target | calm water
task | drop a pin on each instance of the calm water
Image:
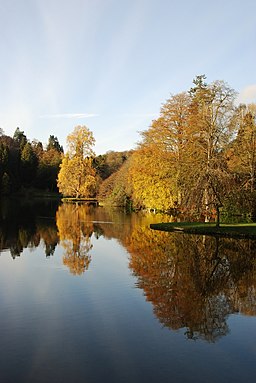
(94, 295)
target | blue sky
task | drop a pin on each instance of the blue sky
(110, 64)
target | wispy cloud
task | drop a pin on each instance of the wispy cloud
(248, 94)
(141, 115)
(68, 115)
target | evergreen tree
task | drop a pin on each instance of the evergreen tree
(53, 143)
(20, 138)
(29, 164)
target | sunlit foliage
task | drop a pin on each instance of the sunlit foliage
(115, 189)
(199, 155)
(151, 180)
(28, 165)
(181, 161)
(77, 177)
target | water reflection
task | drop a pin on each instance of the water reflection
(26, 224)
(193, 282)
(75, 232)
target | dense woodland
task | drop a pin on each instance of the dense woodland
(198, 156)
(25, 164)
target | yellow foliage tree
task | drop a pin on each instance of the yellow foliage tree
(211, 128)
(77, 177)
(150, 179)
(156, 166)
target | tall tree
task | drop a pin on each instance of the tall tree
(80, 142)
(165, 144)
(211, 128)
(20, 138)
(53, 143)
(77, 177)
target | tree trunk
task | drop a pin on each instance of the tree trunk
(206, 203)
(217, 216)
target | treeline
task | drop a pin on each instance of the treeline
(198, 156)
(25, 164)
(28, 165)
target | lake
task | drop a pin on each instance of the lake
(89, 294)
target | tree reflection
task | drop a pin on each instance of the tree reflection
(194, 282)
(47, 233)
(75, 231)
(26, 225)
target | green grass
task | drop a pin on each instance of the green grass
(244, 230)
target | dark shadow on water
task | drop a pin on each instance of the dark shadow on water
(24, 223)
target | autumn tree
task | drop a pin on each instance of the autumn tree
(157, 167)
(77, 175)
(180, 161)
(114, 190)
(37, 147)
(211, 128)
(150, 179)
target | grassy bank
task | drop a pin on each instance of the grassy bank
(74, 199)
(246, 230)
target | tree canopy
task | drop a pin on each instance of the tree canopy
(77, 177)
